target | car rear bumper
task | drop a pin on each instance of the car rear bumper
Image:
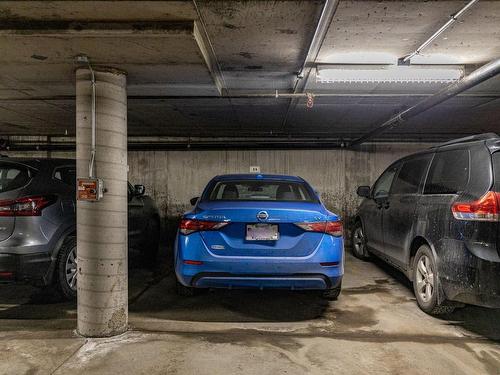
(213, 271)
(468, 278)
(20, 268)
(293, 282)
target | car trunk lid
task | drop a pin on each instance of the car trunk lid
(233, 240)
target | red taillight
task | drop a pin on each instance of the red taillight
(27, 206)
(485, 208)
(188, 226)
(193, 262)
(333, 228)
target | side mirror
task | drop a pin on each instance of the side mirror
(139, 189)
(194, 200)
(363, 191)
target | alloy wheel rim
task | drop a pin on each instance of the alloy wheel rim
(359, 241)
(425, 278)
(71, 263)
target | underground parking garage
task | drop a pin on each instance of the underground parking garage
(212, 187)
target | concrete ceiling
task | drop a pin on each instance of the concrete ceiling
(258, 46)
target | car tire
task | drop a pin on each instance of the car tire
(66, 269)
(150, 249)
(358, 242)
(426, 283)
(184, 291)
(332, 294)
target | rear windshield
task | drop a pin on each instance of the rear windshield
(251, 190)
(13, 176)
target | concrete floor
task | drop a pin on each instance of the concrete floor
(375, 327)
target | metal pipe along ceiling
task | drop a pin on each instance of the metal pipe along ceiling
(476, 77)
(451, 21)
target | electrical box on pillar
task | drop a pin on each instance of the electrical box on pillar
(90, 189)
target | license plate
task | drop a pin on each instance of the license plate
(262, 232)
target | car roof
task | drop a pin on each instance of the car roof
(258, 176)
(484, 138)
(491, 140)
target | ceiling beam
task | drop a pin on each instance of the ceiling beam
(207, 50)
(29, 28)
(324, 22)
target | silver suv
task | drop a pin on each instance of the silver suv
(38, 223)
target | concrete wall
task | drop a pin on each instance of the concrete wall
(173, 177)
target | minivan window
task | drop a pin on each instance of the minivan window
(254, 190)
(496, 171)
(410, 176)
(449, 173)
(383, 184)
(13, 176)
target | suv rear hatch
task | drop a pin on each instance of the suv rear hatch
(13, 177)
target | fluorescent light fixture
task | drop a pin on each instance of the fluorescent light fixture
(388, 73)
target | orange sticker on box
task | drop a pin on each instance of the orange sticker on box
(87, 189)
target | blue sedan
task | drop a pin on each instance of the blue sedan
(259, 231)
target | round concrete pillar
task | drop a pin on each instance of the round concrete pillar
(102, 279)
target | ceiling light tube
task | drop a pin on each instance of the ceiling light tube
(388, 73)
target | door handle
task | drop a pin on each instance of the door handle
(384, 204)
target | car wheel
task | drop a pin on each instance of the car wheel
(66, 269)
(150, 249)
(332, 294)
(426, 283)
(184, 291)
(358, 245)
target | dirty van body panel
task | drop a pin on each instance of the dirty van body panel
(400, 214)
(372, 209)
(466, 248)
(398, 222)
(373, 216)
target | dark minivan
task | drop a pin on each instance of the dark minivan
(435, 215)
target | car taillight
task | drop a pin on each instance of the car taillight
(333, 228)
(188, 226)
(27, 206)
(486, 208)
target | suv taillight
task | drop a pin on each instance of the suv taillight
(188, 226)
(334, 228)
(27, 206)
(486, 208)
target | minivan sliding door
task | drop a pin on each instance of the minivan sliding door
(400, 211)
(374, 208)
